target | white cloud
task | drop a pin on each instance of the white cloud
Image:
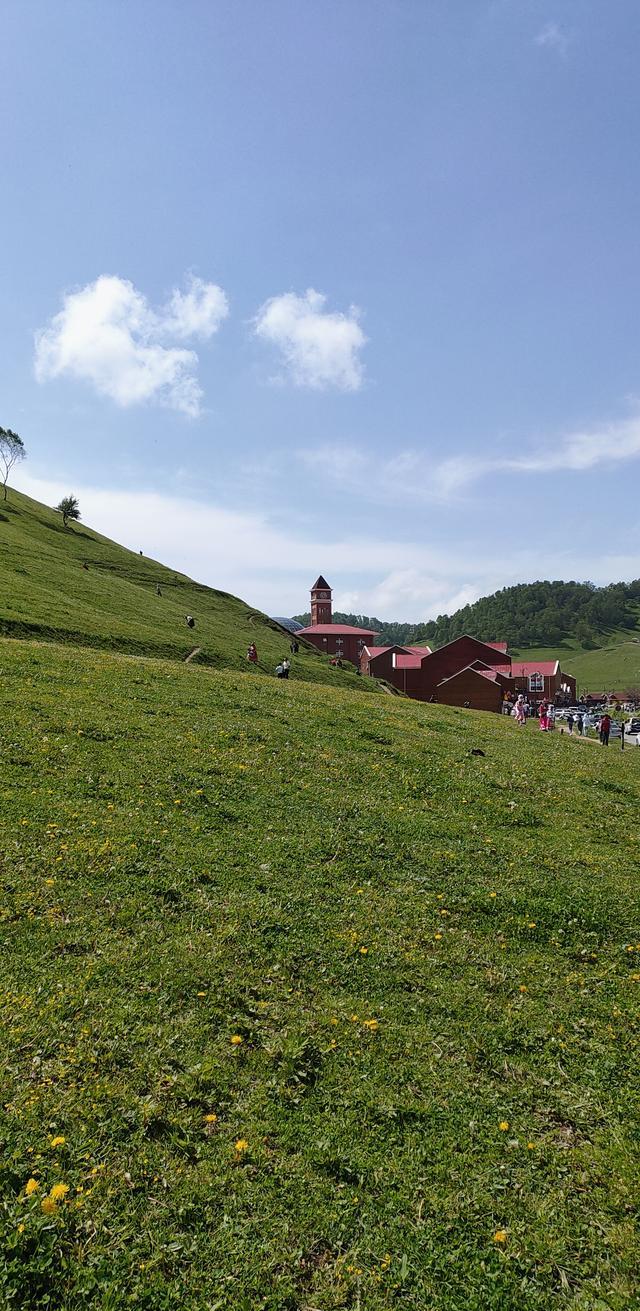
(106, 334)
(198, 312)
(553, 37)
(319, 349)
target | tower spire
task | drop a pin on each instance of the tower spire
(321, 612)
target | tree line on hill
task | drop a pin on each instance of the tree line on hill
(529, 614)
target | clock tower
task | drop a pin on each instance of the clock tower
(321, 602)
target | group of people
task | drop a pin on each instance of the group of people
(581, 721)
(282, 668)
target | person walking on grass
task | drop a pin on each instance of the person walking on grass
(570, 722)
(252, 654)
(580, 725)
(286, 666)
(519, 713)
(542, 716)
(551, 716)
(605, 729)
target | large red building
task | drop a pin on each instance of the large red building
(467, 672)
(340, 640)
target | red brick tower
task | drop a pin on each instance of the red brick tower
(321, 602)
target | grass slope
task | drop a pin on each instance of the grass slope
(614, 667)
(45, 593)
(304, 1005)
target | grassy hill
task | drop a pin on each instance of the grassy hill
(306, 1007)
(46, 593)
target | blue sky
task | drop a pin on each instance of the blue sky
(351, 287)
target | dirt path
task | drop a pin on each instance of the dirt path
(196, 651)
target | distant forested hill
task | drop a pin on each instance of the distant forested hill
(528, 615)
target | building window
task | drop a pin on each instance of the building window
(536, 683)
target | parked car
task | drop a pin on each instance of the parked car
(632, 726)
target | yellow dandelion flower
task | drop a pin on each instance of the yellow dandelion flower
(504, 1125)
(363, 951)
(201, 994)
(530, 1147)
(241, 1146)
(58, 1192)
(48, 1206)
(437, 937)
(523, 987)
(20, 1229)
(236, 1039)
(31, 1186)
(372, 1025)
(211, 1118)
(500, 1236)
(493, 894)
(59, 1141)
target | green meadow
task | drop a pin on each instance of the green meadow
(305, 1006)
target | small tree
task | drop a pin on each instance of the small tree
(11, 452)
(68, 508)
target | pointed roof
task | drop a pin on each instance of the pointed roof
(321, 583)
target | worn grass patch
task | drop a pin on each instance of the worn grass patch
(305, 1006)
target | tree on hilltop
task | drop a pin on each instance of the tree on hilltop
(69, 509)
(11, 452)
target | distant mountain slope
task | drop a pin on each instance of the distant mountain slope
(47, 593)
(544, 614)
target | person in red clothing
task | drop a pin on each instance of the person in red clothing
(252, 654)
(605, 729)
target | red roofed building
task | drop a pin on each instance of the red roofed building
(400, 665)
(543, 678)
(479, 689)
(343, 641)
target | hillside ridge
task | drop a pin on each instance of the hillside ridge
(75, 586)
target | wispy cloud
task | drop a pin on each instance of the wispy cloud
(107, 335)
(413, 476)
(318, 348)
(609, 444)
(553, 37)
